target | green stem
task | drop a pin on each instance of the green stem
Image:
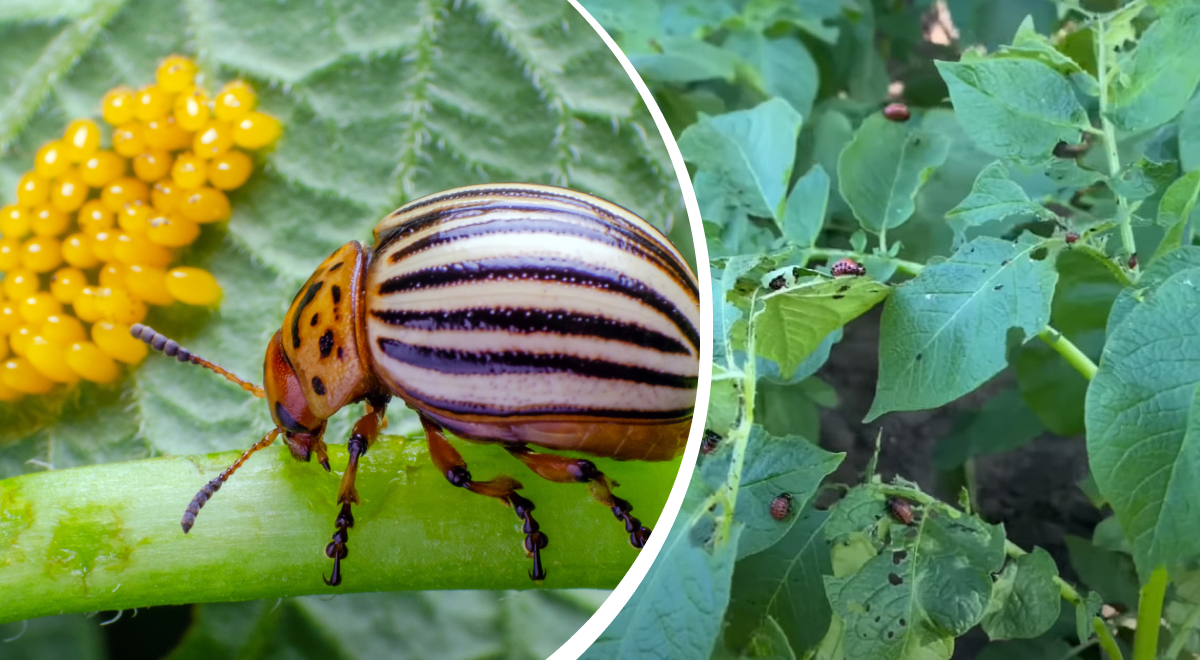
(1068, 592)
(1107, 643)
(1180, 636)
(1069, 351)
(1125, 218)
(107, 537)
(1149, 621)
(741, 435)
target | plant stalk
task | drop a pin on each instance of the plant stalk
(1107, 643)
(1125, 218)
(1179, 637)
(1069, 351)
(108, 537)
(1149, 620)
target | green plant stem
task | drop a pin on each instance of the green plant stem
(1068, 592)
(1149, 621)
(1069, 351)
(909, 267)
(107, 537)
(1180, 637)
(1107, 643)
(1125, 218)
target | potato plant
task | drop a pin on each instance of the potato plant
(1027, 213)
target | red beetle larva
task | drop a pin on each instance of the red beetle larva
(847, 267)
(897, 112)
(781, 506)
(901, 509)
(529, 316)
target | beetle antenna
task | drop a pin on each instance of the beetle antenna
(211, 488)
(159, 342)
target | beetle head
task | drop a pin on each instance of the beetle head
(290, 410)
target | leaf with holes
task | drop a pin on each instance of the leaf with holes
(910, 602)
(794, 322)
(994, 197)
(946, 332)
(1025, 600)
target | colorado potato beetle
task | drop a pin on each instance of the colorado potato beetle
(522, 315)
(781, 506)
(847, 267)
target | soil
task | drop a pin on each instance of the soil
(1032, 490)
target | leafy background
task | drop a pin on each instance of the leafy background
(963, 210)
(381, 102)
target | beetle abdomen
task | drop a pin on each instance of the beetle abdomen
(532, 303)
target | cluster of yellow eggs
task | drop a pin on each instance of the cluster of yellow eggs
(89, 242)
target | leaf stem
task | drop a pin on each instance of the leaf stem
(1125, 216)
(107, 537)
(1069, 593)
(1107, 643)
(1149, 620)
(1069, 351)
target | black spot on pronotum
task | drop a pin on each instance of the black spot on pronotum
(335, 266)
(337, 294)
(318, 386)
(339, 352)
(895, 580)
(314, 319)
(326, 343)
(308, 297)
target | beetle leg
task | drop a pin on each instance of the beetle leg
(366, 429)
(565, 470)
(504, 488)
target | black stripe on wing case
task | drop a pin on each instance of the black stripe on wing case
(471, 408)
(542, 269)
(450, 361)
(526, 321)
(625, 238)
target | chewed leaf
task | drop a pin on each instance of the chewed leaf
(1143, 422)
(946, 332)
(1156, 83)
(1014, 108)
(993, 197)
(1025, 599)
(794, 322)
(775, 466)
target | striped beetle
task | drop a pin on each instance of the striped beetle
(514, 314)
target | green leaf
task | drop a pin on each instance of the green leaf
(1109, 573)
(780, 67)
(1175, 209)
(64, 636)
(677, 609)
(1026, 649)
(1159, 78)
(794, 322)
(784, 584)
(1029, 44)
(769, 643)
(912, 602)
(774, 466)
(994, 197)
(1085, 611)
(1143, 423)
(1189, 136)
(1159, 270)
(1017, 109)
(459, 624)
(1003, 424)
(880, 171)
(945, 332)
(1144, 178)
(807, 206)
(685, 60)
(1025, 600)
(993, 23)
(750, 153)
